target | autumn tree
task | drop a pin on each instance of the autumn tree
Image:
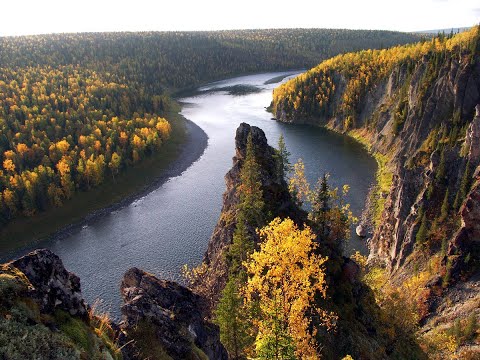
(114, 164)
(298, 184)
(285, 275)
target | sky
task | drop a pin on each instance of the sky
(26, 17)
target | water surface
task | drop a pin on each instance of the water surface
(171, 226)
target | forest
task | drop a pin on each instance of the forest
(312, 94)
(76, 108)
(177, 60)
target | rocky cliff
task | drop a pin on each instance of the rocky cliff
(414, 108)
(43, 316)
(276, 197)
(420, 115)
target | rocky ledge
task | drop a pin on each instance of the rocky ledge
(163, 316)
(50, 284)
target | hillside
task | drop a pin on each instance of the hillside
(77, 111)
(413, 106)
(44, 316)
(178, 60)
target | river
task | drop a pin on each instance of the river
(171, 226)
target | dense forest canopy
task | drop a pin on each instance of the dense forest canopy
(183, 59)
(77, 108)
(313, 94)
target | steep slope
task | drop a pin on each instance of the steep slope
(414, 107)
(214, 272)
(361, 329)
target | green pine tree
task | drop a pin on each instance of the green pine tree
(278, 344)
(445, 208)
(250, 189)
(422, 232)
(321, 206)
(232, 319)
(242, 246)
(440, 176)
(282, 155)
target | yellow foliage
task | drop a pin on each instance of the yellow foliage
(8, 165)
(298, 184)
(285, 274)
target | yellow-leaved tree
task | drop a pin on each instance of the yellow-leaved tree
(285, 275)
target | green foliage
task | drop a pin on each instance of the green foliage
(147, 342)
(76, 330)
(282, 160)
(421, 236)
(321, 208)
(400, 115)
(447, 275)
(464, 330)
(465, 184)
(445, 208)
(250, 192)
(277, 344)
(231, 317)
(440, 170)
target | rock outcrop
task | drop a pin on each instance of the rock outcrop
(43, 314)
(51, 284)
(277, 200)
(164, 316)
(466, 241)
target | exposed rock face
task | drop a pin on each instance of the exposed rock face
(472, 141)
(52, 285)
(174, 313)
(452, 96)
(467, 240)
(457, 85)
(276, 197)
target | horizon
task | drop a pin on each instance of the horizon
(56, 17)
(455, 29)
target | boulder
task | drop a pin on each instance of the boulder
(53, 287)
(173, 314)
(361, 231)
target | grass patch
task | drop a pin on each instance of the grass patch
(147, 342)
(383, 176)
(26, 231)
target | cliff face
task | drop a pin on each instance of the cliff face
(276, 197)
(418, 111)
(404, 115)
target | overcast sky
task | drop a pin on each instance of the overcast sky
(21, 17)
